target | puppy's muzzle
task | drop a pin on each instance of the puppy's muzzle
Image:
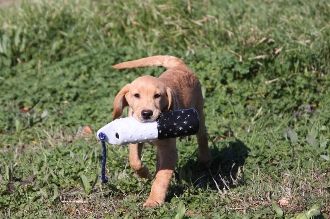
(146, 114)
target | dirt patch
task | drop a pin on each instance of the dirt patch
(4, 3)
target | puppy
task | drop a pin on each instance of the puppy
(147, 97)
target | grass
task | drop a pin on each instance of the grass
(265, 70)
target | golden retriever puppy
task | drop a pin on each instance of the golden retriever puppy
(147, 97)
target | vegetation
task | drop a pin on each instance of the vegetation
(264, 66)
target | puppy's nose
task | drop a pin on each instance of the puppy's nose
(146, 114)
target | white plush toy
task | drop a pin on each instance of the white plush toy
(169, 125)
(129, 130)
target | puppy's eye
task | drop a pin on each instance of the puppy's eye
(137, 95)
(156, 96)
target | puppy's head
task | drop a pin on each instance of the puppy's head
(146, 96)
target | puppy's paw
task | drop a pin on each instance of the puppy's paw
(150, 203)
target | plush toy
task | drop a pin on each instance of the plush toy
(170, 124)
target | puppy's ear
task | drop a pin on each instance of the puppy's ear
(120, 102)
(170, 100)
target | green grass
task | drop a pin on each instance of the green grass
(265, 70)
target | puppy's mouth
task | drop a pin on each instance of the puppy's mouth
(151, 119)
(145, 120)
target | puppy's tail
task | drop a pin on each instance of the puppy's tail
(165, 61)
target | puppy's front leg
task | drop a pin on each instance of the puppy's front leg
(166, 160)
(135, 162)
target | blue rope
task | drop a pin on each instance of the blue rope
(102, 137)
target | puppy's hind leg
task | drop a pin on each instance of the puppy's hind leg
(204, 154)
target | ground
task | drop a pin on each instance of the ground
(264, 67)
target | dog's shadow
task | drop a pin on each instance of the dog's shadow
(225, 171)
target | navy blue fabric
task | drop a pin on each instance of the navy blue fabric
(178, 123)
(104, 178)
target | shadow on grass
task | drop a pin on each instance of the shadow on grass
(225, 171)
